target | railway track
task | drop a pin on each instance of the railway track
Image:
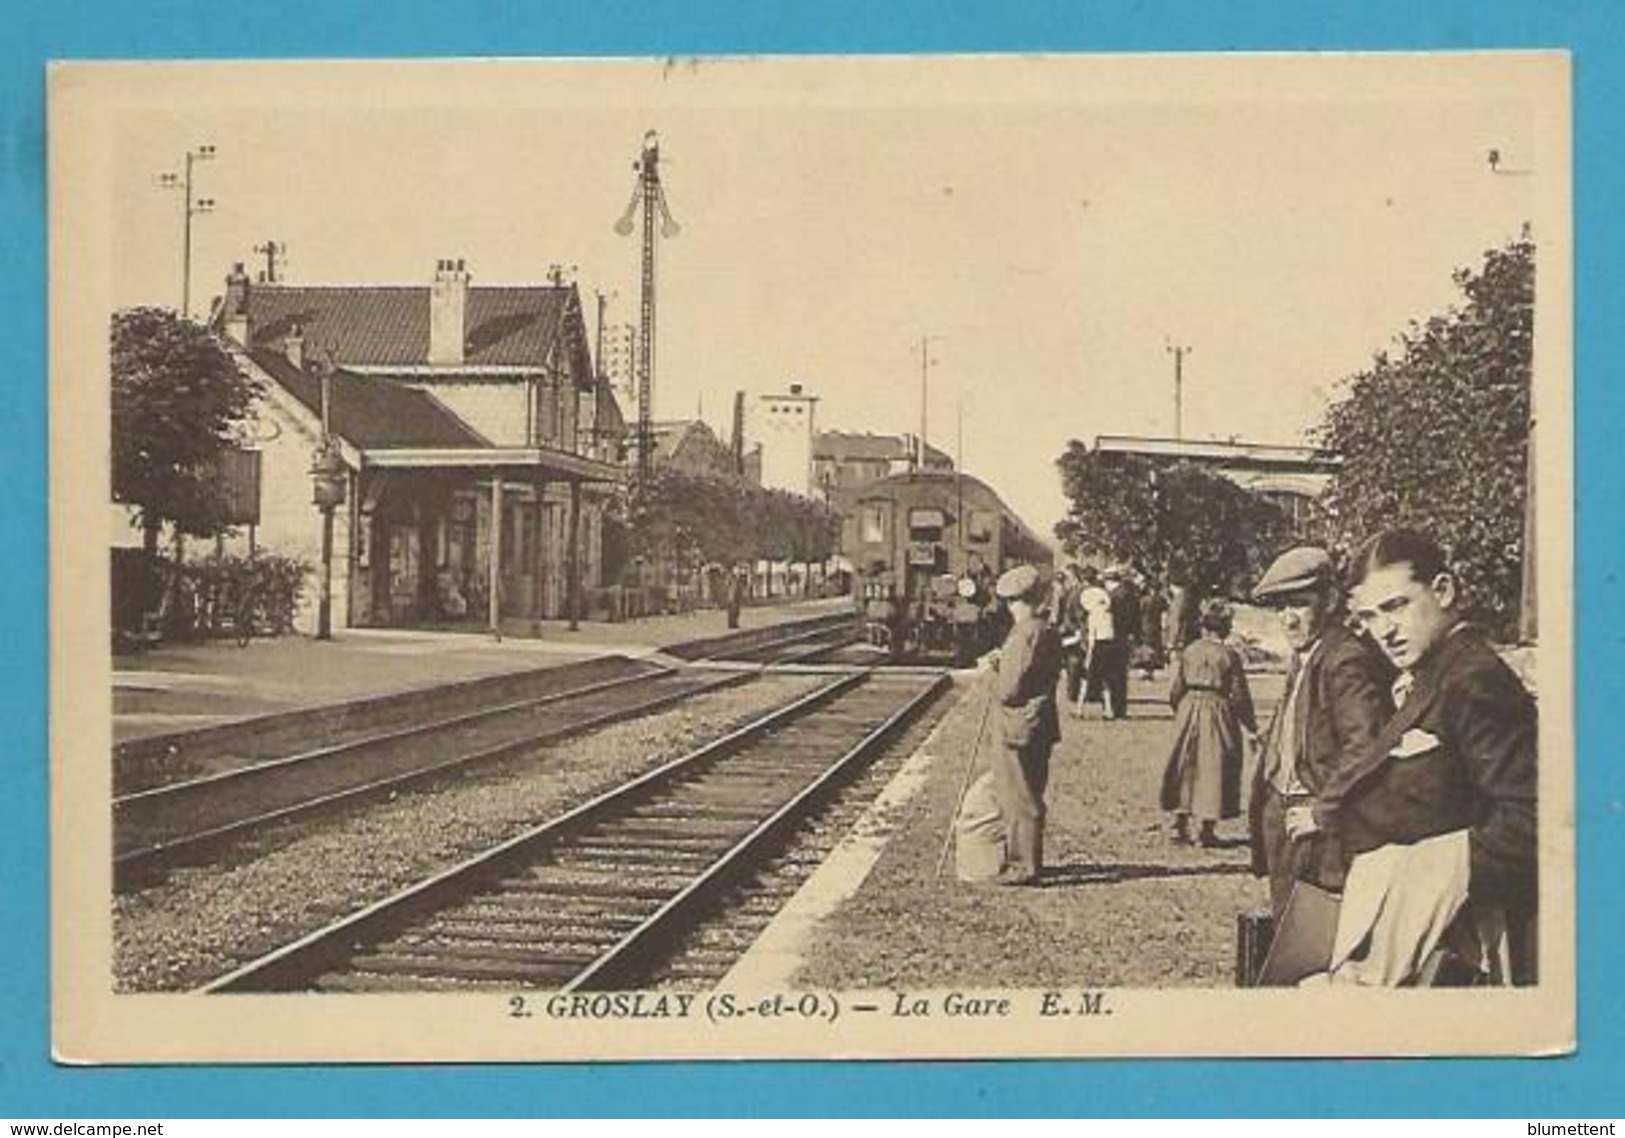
(800, 648)
(162, 826)
(708, 952)
(190, 821)
(160, 760)
(598, 897)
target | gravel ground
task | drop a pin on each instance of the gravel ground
(203, 922)
(1120, 904)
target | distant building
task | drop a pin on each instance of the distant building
(691, 446)
(843, 460)
(784, 427)
(620, 364)
(1293, 477)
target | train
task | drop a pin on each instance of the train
(926, 548)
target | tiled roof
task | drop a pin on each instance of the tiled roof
(386, 325)
(690, 444)
(370, 412)
(845, 446)
(671, 435)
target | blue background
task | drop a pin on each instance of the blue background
(1588, 1084)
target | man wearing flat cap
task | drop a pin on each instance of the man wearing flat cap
(1335, 704)
(1026, 670)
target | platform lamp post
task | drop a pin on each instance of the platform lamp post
(330, 478)
(191, 206)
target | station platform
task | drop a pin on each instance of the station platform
(183, 686)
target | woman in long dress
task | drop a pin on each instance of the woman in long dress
(1212, 708)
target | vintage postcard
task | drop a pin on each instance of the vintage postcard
(848, 557)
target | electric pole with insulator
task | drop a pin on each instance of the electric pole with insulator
(1179, 352)
(191, 206)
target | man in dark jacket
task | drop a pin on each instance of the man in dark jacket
(1439, 815)
(1027, 667)
(1335, 703)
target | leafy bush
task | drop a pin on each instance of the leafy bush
(204, 598)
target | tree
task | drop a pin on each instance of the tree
(1176, 518)
(682, 519)
(179, 400)
(1435, 434)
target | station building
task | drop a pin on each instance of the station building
(479, 446)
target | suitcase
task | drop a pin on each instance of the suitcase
(1254, 931)
(1303, 944)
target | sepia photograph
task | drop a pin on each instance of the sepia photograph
(812, 557)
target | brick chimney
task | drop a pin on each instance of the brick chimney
(448, 313)
(293, 345)
(234, 309)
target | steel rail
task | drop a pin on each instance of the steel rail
(250, 771)
(298, 963)
(825, 632)
(133, 866)
(631, 957)
(741, 643)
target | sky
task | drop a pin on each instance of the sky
(1054, 226)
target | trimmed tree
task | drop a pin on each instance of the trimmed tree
(684, 519)
(179, 400)
(1435, 435)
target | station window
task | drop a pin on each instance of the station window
(926, 525)
(872, 524)
(238, 473)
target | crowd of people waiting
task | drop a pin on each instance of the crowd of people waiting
(1397, 776)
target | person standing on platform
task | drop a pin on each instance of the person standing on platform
(1212, 708)
(1067, 618)
(1334, 706)
(1100, 641)
(735, 585)
(1151, 653)
(967, 616)
(1440, 813)
(1181, 614)
(1125, 599)
(1026, 669)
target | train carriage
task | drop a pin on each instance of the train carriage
(927, 547)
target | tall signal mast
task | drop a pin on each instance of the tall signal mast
(649, 194)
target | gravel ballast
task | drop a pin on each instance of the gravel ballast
(202, 922)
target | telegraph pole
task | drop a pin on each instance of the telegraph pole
(959, 482)
(1179, 352)
(191, 206)
(925, 372)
